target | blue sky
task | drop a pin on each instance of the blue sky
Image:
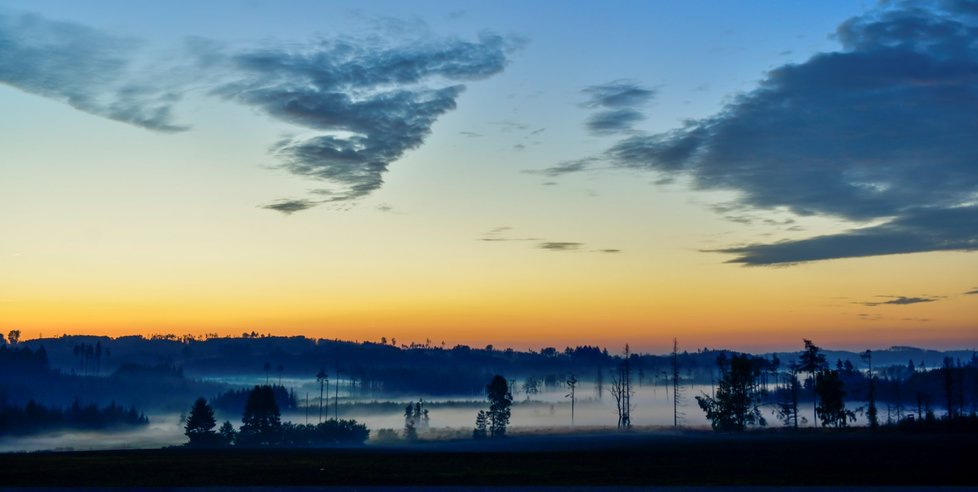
(535, 164)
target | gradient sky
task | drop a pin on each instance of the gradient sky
(732, 174)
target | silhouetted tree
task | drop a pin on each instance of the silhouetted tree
(621, 391)
(572, 384)
(735, 405)
(871, 413)
(261, 424)
(675, 383)
(787, 409)
(500, 399)
(14, 337)
(200, 425)
(831, 405)
(481, 426)
(410, 431)
(322, 378)
(412, 415)
(812, 360)
(227, 433)
(947, 371)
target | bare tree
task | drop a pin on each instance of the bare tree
(572, 384)
(322, 378)
(621, 391)
(812, 361)
(871, 413)
(675, 383)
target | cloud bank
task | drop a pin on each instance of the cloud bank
(358, 104)
(881, 131)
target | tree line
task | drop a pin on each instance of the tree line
(261, 426)
(33, 418)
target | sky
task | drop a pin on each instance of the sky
(524, 174)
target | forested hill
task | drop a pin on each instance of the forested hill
(410, 368)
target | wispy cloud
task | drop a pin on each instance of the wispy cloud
(617, 94)
(566, 167)
(616, 103)
(87, 69)
(505, 234)
(899, 301)
(614, 121)
(972, 292)
(358, 104)
(880, 131)
(289, 207)
(560, 246)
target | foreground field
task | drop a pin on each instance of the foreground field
(690, 458)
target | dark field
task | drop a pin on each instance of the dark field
(692, 458)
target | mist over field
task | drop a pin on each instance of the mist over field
(374, 383)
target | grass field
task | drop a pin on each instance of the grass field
(690, 458)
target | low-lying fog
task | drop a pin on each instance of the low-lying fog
(450, 417)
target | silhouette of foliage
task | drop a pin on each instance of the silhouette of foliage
(200, 425)
(22, 360)
(234, 400)
(735, 405)
(327, 433)
(481, 430)
(261, 423)
(831, 405)
(500, 399)
(227, 433)
(812, 360)
(33, 418)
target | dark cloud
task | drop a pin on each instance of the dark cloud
(617, 94)
(371, 102)
(288, 207)
(613, 121)
(898, 301)
(560, 246)
(616, 103)
(972, 293)
(82, 67)
(914, 232)
(608, 251)
(358, 104)
(883, 130)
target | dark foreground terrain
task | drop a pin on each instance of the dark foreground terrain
(692, 458)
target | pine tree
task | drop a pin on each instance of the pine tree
(481, 426)
(831, 405)
(227, 433)
(500, 399)
(735, 405)
(261, 424)
(200, 425)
